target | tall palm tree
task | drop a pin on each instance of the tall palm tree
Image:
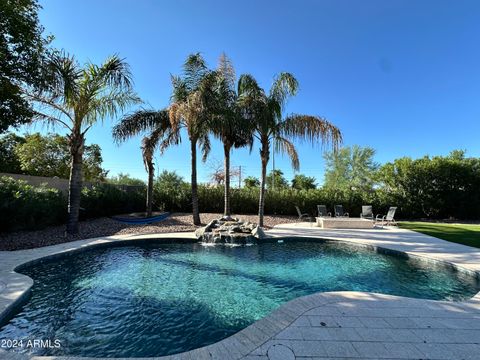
(160, 134)
(271, 128)
(227, 123)
(192, 101)
(77, 97)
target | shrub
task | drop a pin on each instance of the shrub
(171, 193)
(279, 202)
(105, 200)
(23, 206)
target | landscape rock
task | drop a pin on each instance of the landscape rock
(230, 231)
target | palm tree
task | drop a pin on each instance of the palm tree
(76, 98)
(269, 127)
(227, 123)
(191, 109)
(160, 134)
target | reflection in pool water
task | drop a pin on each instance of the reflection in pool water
(152, 299)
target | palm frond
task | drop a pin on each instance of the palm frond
(109, 105)
(170, 138)
(194, 70)
(139, 122)
(205, 146)
(49, 119)
(43, 101)
(248, 86)
(310, 128)
(226, 70)
(179, 89)
(284, 86)
(62, 74)
(284, 146)
(148, 149)
(114, 72)
(176, 114)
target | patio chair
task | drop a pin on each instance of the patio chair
(367, 212)
(339, 211)
(322, 211)
(303, 216)
(387, 219)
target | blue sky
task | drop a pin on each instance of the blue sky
(400, 76)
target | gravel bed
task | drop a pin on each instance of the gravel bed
(177, 222)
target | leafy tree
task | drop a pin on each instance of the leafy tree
(172, 192)
(77, 97)
(269, 127)
(44, 155)
(191, 108)
(350, 168)
(92, 161)
(303, 182)
(50, 156)
(9, 162)
(251, 181)
(125, 179)
(439, 186)
(276, 180)
(159, 134)
(22, 49)
(170, 179)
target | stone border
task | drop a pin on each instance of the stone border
(15, 287)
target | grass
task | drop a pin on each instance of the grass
(465, 234)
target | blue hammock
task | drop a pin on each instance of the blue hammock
(144, 220)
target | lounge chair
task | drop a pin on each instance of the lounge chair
(303, 216)
(367, 212)
(339, 211)
(322, 211)
(387, 219)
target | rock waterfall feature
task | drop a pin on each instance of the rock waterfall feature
(230, 231)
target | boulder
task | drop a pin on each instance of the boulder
(230, 231)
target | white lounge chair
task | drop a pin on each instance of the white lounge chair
(388, 219)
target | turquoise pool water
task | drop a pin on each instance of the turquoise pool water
(154, 299)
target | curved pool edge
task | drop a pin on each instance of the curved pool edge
(15, 287)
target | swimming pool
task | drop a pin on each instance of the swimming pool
(159, 299)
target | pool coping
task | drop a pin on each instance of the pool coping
(14, 287)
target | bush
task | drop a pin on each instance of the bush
(25, 207)
(277, 202)
(106, 200)
(433, 187)
(171, 193)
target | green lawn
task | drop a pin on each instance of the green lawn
(465, 234)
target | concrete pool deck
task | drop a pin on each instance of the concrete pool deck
(335, 325)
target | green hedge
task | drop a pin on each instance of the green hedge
(25, 207)
(280, 202)
(106, 200)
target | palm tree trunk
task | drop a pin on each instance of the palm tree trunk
(195, 211)
(75, 182)
(151, 171)
(264, 155)
(226, 210)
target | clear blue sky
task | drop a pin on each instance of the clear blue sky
(400, 76)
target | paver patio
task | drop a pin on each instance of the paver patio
(335, 325)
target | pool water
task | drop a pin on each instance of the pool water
(154, 299)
